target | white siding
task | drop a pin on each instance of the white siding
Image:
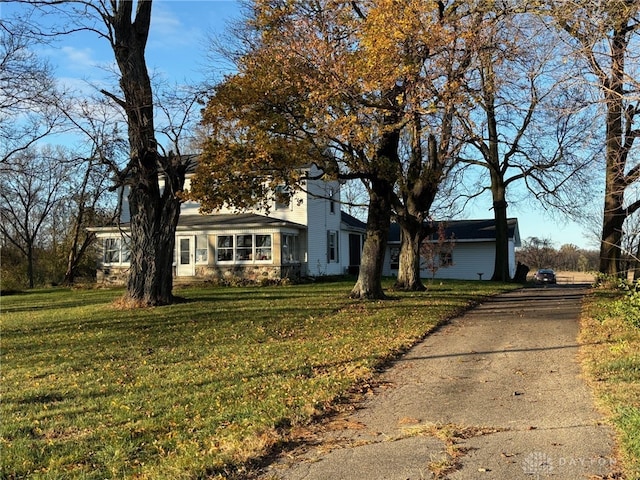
(469, 259)
(295, 212)
(321, 221)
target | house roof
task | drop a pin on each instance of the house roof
(239, 220)
(219, 222)
(467, 230)
(352, 222)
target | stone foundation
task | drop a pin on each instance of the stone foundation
(252, 273)
(112, 275)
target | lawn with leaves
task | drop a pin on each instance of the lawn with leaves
(192, 390)
(611, 356)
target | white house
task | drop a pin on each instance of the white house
(309, 236)
(471, 255)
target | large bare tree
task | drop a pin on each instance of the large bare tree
(527, 123)
(606, 36)
(28, 92)
(152, 177)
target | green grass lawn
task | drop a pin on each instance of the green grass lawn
(192, 390)
(611, 355)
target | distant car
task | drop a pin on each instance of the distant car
(545, 275)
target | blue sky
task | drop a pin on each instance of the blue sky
(177, 52)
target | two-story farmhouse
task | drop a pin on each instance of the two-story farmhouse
(309, 236)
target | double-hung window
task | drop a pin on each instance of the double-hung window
(332, 246)
(290, 248)
(116, 251)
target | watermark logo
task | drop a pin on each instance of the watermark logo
(540, 463)
(537, 463)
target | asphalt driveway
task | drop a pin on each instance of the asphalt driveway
(496, 394)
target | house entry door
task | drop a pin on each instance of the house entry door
(186, 257)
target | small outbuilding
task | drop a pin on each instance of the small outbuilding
(468, 252)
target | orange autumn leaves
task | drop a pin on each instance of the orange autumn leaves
(312, 86)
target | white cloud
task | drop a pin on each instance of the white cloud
(79, 59)
(168, 29)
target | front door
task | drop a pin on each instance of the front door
(186, 265)
(355, 250)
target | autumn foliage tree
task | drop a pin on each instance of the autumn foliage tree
(436, 42)
(363, 90)
(306, 92)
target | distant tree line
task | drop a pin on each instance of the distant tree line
(540, 253)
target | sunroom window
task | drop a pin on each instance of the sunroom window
(225, 248)
(244, 248)
(290, 248)
(263, 247)
(202, 249)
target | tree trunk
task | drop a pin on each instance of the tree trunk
(501, 265)
(154, 214)
(153, 225)
(409, 261)
(613, 220)
(384, 173)
(614, 213)
(369, 283)
(30, 269)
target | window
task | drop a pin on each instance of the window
(290, 248)
(225, 248)
(332, 203)
(332, 246)
(111, 250)
(394, 253)
(116, 250)
(282, 198)
(263, 247)
(446, 259)
(202, 249)
(244, 248)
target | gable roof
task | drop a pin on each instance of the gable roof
(352, 223)
(467, 230)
